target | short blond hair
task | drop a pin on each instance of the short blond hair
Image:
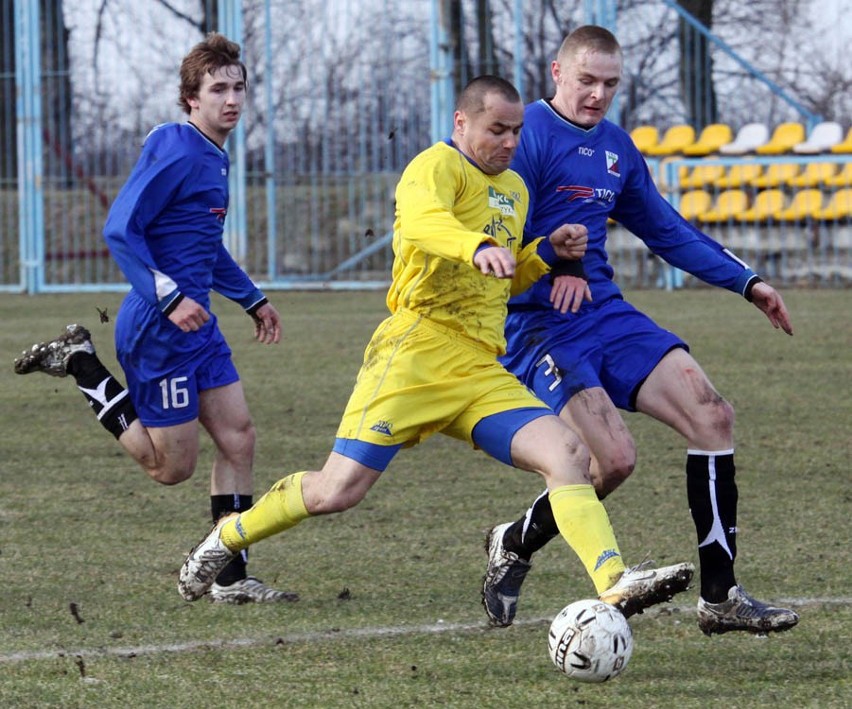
(591, 38)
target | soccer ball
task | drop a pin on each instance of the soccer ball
(590, 641)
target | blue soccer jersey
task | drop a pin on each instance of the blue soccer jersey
(587, 175)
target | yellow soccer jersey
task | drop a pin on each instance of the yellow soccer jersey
(446, 207)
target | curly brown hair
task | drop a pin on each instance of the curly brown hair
(214, 52)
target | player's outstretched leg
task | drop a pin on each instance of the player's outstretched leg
(52, 357)
(742, 612)
(642, 586)
(504, 575)
(204, 563)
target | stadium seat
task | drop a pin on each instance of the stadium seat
(729, 204)
(823, 137)
(711, 139)
(784, 137)
(766, 206)
(694, 203)
(749, 138)
(845, 146)
(700, 176)
(675, 139)
(776, 175)
(843, 178)
(739, 176)
(815, 173)
(644, 137)
(804, 205)
(839, 207)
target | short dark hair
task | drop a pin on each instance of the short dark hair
(472, 97)
(592, 37)
(214, 52)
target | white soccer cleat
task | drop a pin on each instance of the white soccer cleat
(204, 563)
(249, 590)
(641, 586)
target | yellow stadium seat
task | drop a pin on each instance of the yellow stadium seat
(839, 207)
(675, 139)
(843, 178)
(739, 175)
(700, 176)
(713, 137)
(694, 203)
(845, 146)
(644, 137)
(766, 206)
(729, 205)
(803, 205)
(815, 173)
(784, 137)
(776, 175)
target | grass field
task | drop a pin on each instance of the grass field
(389, 614)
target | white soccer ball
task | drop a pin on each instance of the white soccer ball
(590, 641)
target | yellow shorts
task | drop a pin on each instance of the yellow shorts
(419, 378)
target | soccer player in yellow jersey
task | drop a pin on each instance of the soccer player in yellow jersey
(432, 365)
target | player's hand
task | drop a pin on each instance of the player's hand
(189, 316)
(568, 293)
(495, 261)
(267, 324)
(767, 299)
(570, 241)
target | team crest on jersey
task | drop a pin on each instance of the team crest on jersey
(498, 200)
(612, 164)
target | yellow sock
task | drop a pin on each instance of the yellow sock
(584, 524)
(279, 509)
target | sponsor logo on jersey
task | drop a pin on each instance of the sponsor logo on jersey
(612, 164)
(220, 212)
(498, 200)
(383, 427)
(586, 152)
(224, 172)
(602, 195)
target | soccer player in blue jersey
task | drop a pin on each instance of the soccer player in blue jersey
(589, 358)
(165, 230)
(431, 366)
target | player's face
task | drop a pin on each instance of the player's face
(490, 137)
(217, 108)
(585, 86)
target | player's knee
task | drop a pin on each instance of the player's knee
(170, 475)
(619, 466)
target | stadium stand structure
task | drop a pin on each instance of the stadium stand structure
(766, 206)
(843, 177)
(775, 175)
(694, 203)
(838, 207)
(739, 175)
(700, 176)
(803, 205)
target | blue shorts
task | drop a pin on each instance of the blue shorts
(611, 345)
(166, 368)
